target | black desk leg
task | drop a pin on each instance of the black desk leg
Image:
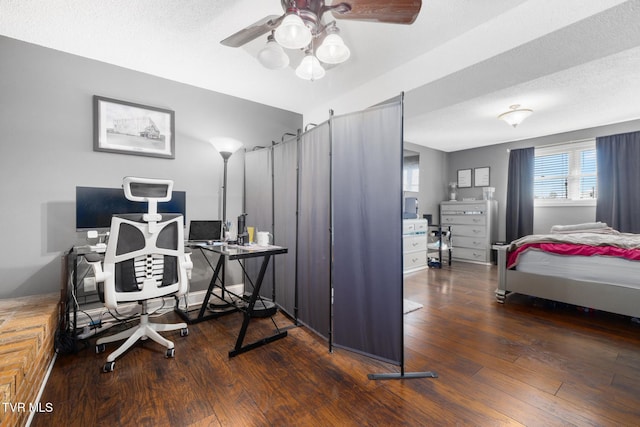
(184, 314)
(212, 285)
(238, 349)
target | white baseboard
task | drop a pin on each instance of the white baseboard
(99, 314)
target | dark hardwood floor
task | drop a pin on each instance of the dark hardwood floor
(523, 363)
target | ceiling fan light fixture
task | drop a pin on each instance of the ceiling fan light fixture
(292, 33)
(272, 55)
(333, 50)
(310, 68)
(516, 115)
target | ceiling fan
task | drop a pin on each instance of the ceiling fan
(302, 27)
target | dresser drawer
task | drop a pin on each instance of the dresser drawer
(408, 227)
(421, 227)
(464, 219)
(470, 242)
(414, 260)
(480, 207)
(468, 231)
(470, 254)
(414, 226)
(414, 243)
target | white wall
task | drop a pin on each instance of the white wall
(545, 217)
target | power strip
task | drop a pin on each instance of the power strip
(88, 332)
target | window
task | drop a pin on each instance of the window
(411, 173)
(566, 173)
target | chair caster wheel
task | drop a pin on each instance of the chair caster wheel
(108, 367)
(100, 348)
(171, 352)
(184, 332)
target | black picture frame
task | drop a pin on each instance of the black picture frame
(481, 177)
(464, 178)
(129, 128)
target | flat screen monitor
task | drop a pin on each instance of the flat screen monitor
(95, 206)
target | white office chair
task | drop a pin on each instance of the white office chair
(145, 259)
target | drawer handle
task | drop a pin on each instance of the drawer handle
(476, 220)
(477, 231)
(415, 244)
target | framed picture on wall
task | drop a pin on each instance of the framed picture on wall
(481, 177)
(128, 128)
(464, 178)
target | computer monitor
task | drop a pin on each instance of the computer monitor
(95, 206)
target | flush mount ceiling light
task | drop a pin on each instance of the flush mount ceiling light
(516, 115)
(302, 23)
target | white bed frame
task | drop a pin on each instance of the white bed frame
(601, 296)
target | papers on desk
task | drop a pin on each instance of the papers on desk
(254, 247)
(192, 243)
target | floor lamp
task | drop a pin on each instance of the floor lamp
(226, 147)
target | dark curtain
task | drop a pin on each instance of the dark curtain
(519, 215)
(618, 203)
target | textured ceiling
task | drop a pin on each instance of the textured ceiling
(463, 62)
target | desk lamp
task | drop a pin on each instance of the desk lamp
(226, 147)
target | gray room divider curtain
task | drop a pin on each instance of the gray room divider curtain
(618, 202)
(285, 157)
(519, 210)
(367, 231)
(258, 207)
(314, 240)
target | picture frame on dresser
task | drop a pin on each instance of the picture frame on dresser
(464, 178)
(481, 176)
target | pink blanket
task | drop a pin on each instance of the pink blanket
(573, 249)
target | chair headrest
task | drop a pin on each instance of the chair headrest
(147, 189)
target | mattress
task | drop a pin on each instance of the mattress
(601, 269)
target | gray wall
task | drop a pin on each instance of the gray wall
(497, 158)
(47, 150)
(433, 179)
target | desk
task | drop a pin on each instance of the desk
(72, 284)
(232, 252)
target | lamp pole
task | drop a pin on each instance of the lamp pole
(225, 157)
(226, 147)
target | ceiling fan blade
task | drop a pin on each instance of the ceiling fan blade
(392, 12)
(253, 31)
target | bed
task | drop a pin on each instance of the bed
(588, 265)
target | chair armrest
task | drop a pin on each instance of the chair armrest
(95, 261)
(188, 264)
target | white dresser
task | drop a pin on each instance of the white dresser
(474, 226)
(414, 244)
